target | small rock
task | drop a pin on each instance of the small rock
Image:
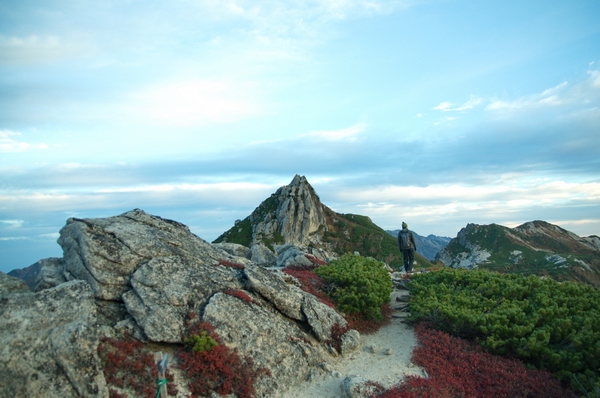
(388, 351)
(325, 366)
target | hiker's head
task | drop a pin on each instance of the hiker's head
(404, 225)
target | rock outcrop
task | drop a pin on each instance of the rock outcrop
(294, 215)
(10, 284)
(49, 344)
(147, 275)
(535, 247)
(107, 251)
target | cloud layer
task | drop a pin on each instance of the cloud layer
(435, 113)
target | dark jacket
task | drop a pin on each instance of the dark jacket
(406, 240)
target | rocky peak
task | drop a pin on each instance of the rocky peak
(542, 231)
(293, 214)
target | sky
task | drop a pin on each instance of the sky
(438, 113)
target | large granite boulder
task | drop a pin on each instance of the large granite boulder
(52, 273)
(262, 255)
(48, 344)
(166, 289)
(107, 251)
(148, 275)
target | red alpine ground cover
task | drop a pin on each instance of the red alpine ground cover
(459, 368)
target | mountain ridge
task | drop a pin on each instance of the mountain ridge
(535, 247)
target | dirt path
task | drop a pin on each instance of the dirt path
(383, 357)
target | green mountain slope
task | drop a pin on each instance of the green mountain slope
(536, 247)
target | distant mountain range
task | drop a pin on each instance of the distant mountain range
(428, 246)
(28, 274)
(294, 215)
(536, 247)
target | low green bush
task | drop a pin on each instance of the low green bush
(550, 325)
(200, 343)
(358, 284)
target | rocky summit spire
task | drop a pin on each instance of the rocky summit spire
(294, 214)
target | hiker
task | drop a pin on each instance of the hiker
(408, 246)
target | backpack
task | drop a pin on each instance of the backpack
(405, 240)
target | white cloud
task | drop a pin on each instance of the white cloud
(197, 102)
(53, 235)
(347, 134)
(13, 223)
(470, 104)
(511, 194)
(8, 144)
(444, 106)
(562, 95)
(224, 187)
(35, 49)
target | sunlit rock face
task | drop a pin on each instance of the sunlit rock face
(149, 276)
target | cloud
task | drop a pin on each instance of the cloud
(346, 134)
(197, 102)
(563, 95)
(35, 49)
(470, 104)
(443, 106)
(13, 223)
(8, 144)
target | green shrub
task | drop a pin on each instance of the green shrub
(358, 284)
(550, 325)
(200, 343)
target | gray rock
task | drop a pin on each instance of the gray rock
(273, 341)
(262, 255)
(297, 215)
(145, 275)
(350, 342)
(48, 344)
(289, 254)
(10, 284)
(286, 298)
(320, 317)
(107, 251)
(357, 387)
(166, 289)
(235, 249)
(51, 274)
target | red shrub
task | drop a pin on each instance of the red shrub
(315, 260)
(337, 332)
(458, 368)
(128, 365)
(229, 264)
(358, 321)
(241, 295)
(309, 282)
(219, 369)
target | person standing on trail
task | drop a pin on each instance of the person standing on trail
(408, 247)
